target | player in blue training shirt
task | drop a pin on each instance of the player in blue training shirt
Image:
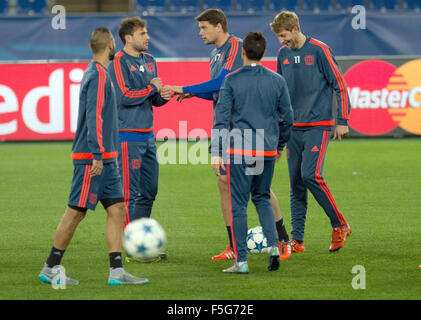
(225, 58)
(96, 177)
(312, 75)
(138, 88)
(254, 106)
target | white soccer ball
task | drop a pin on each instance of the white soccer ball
(256, 240)
(144, 239)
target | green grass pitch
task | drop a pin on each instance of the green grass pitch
(376, 184)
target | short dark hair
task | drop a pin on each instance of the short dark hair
(254, 45)
(214, 16)
(100, 37)
(129, 25)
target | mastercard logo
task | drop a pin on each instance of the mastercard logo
(384, 97)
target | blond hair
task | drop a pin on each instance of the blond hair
(285, 20)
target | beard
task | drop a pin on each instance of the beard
(111, 55)
(140, 48)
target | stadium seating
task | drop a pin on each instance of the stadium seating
(384, 4)
(317, 5)
(225, 5)
(391, 4)
(309, 5)
(278, 5)
(357, 2)
(185, 6)
(151, 6)
(31, 6)
(4, 6)
(324, 5)
(412, 4)
(348, 4)
(251, 5)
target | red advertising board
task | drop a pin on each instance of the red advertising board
(385, 97)
(39, 101)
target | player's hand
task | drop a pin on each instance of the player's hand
(340, 132)
(176, 90)
(278, 155)
(157, 83)
(217, 163)
(183, 96)
(96, 169)
(166, 93)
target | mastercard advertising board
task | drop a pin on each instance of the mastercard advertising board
(385, 97)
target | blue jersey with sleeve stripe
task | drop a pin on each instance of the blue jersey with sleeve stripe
(254, 105)
(96, 132)
(223, 60)
(312, 75)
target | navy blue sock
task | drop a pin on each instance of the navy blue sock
(55, 257)
(282, 233)
(115, 260)
(230, 236)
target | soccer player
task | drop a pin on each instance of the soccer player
(138, 88)
(312, 75)
(255, 107)
(225, 58)
(96, 177)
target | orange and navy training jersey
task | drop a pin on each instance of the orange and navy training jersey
(223, 60)
(254, 105)
(135, 95)
(96, 133)
(226, 59)
(312, 74)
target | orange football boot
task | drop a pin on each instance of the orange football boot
(339, 235)
(297, 247)
(284, 250)
(227, 254)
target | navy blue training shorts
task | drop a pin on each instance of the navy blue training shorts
(86, 191)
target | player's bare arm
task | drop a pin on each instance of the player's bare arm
(340, 132)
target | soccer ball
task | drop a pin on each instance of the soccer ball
(144, 239)
(256, 240)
